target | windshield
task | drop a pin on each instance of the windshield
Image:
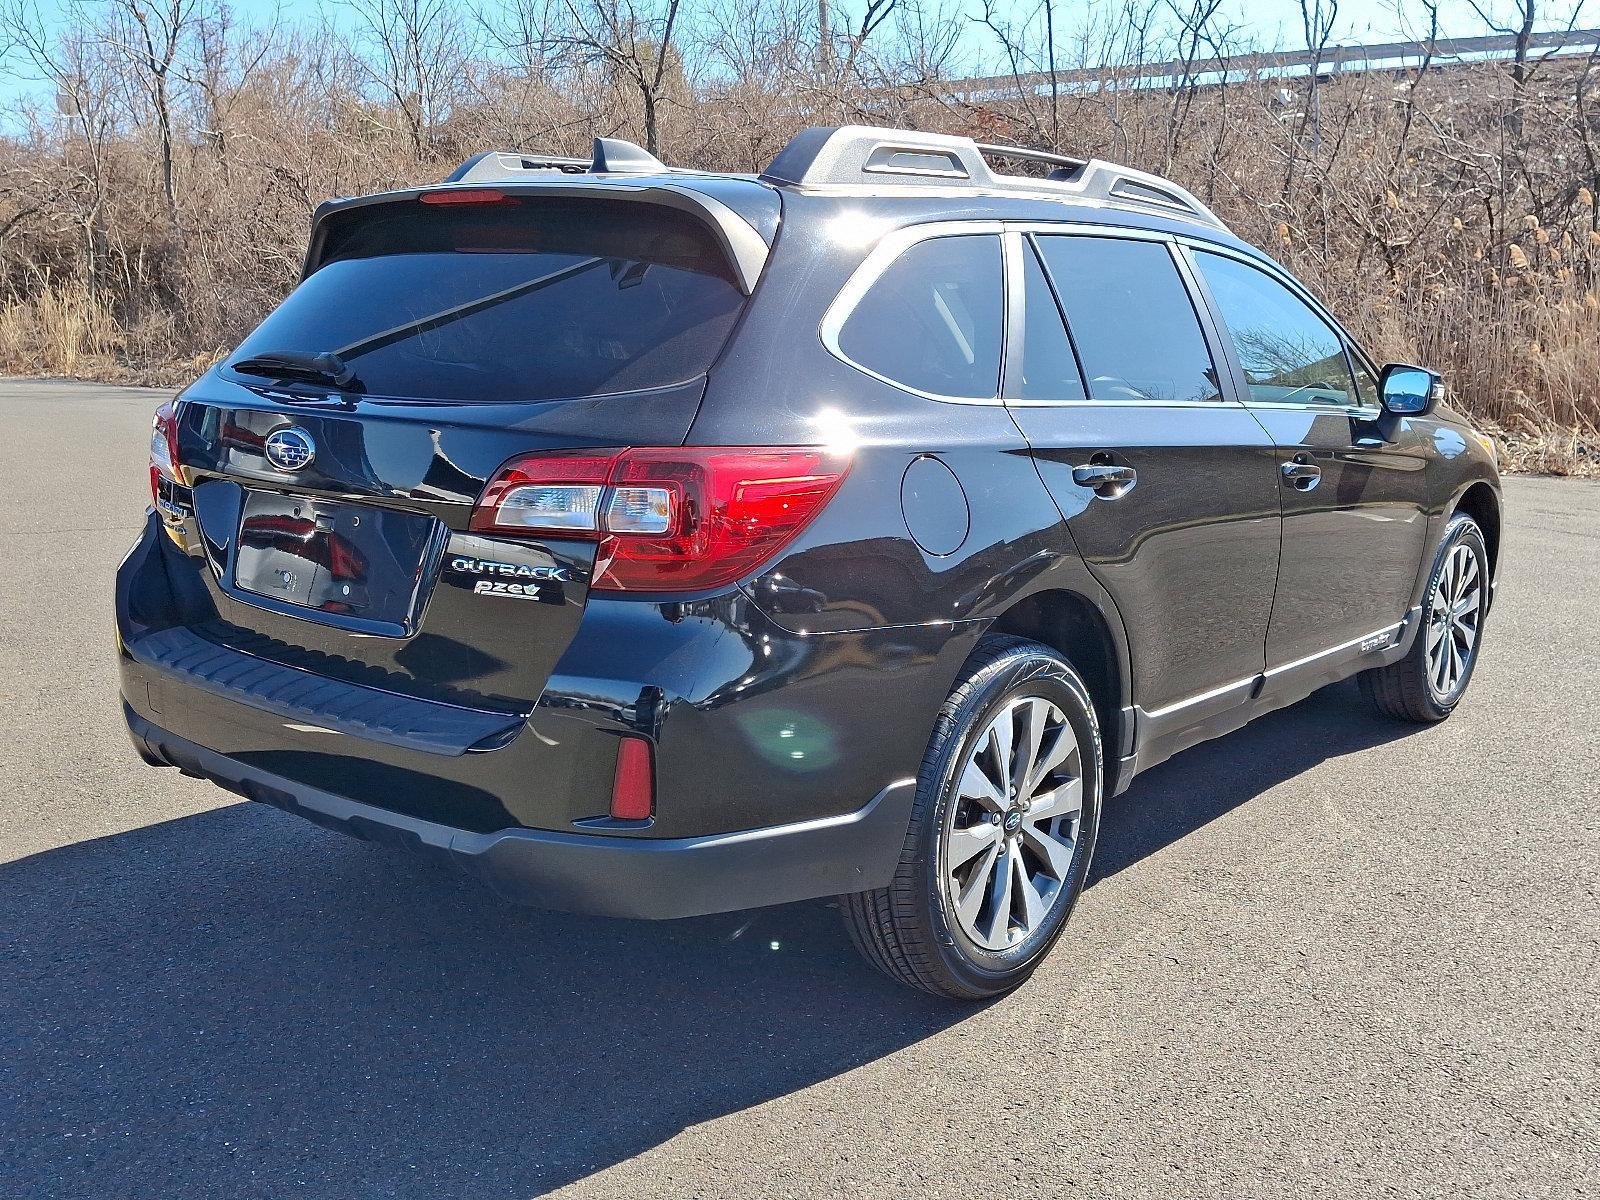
(519, 299)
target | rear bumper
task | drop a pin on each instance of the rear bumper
(643, 878)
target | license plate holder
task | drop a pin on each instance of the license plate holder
(353, 560)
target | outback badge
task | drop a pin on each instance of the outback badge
(516, 581)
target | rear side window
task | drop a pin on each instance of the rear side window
(1289, 353)
(1131, 319)
(932, 320)
(524, 299)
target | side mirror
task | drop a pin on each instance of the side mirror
(1408, 391)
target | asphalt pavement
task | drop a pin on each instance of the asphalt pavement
(1329, 955)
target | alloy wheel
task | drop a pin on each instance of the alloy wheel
(1454, 616)
(1011, 831)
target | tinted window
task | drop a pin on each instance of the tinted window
(1131, 319)
(1049, 368)
(931, 321)
(517, 300)
(1287, 351)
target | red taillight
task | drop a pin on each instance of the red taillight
(463, 196)
(164, 463)
(633, 789)
(675, 520)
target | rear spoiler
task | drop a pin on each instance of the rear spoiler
(743, 244)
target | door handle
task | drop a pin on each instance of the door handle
(1301, 473)
(1110, 481)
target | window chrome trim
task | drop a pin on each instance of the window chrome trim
(888, 250)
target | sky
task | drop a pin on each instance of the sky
(1269, 24)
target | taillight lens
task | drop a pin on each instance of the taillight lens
(164, 462)
(675, 520)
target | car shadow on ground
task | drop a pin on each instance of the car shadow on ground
(239, 1003)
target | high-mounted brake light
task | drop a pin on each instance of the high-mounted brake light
(671, 520)
(164, 463)
(463, 196)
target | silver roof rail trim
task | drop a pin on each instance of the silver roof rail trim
(852, 155)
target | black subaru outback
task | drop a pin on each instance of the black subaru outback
(656, 543)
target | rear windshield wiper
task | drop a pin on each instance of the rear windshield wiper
(326, 367)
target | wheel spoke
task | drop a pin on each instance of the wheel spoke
(1037, 715)
(970, 902)
(1466, 634)
(1001, 737)
(965, 844)
(1000, 897)
(1435, 633)
(1060, 753)
(975, 785)
(1469, 573)
(1061, 801)
(1033, 906)
(1056, 853)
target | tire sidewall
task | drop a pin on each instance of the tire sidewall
(1026, 671)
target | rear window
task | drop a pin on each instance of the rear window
(524, 299)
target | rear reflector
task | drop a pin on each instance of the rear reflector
(633, 789)
(678, 520)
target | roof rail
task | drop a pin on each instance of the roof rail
(862, 155)
(611, 156)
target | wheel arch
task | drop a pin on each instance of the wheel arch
(1482, 504)
(1077, 628)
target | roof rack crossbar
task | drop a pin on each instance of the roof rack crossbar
(857, 155)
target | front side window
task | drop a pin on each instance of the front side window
(1288, 352)
(1131, 319)
(932, 320)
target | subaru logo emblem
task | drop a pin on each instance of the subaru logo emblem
(291, 449)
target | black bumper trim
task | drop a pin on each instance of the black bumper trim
(635, 877)
(299, 695)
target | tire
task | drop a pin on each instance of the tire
(1414, 688)
(969, 923)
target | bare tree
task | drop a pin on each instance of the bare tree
(418, 55)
